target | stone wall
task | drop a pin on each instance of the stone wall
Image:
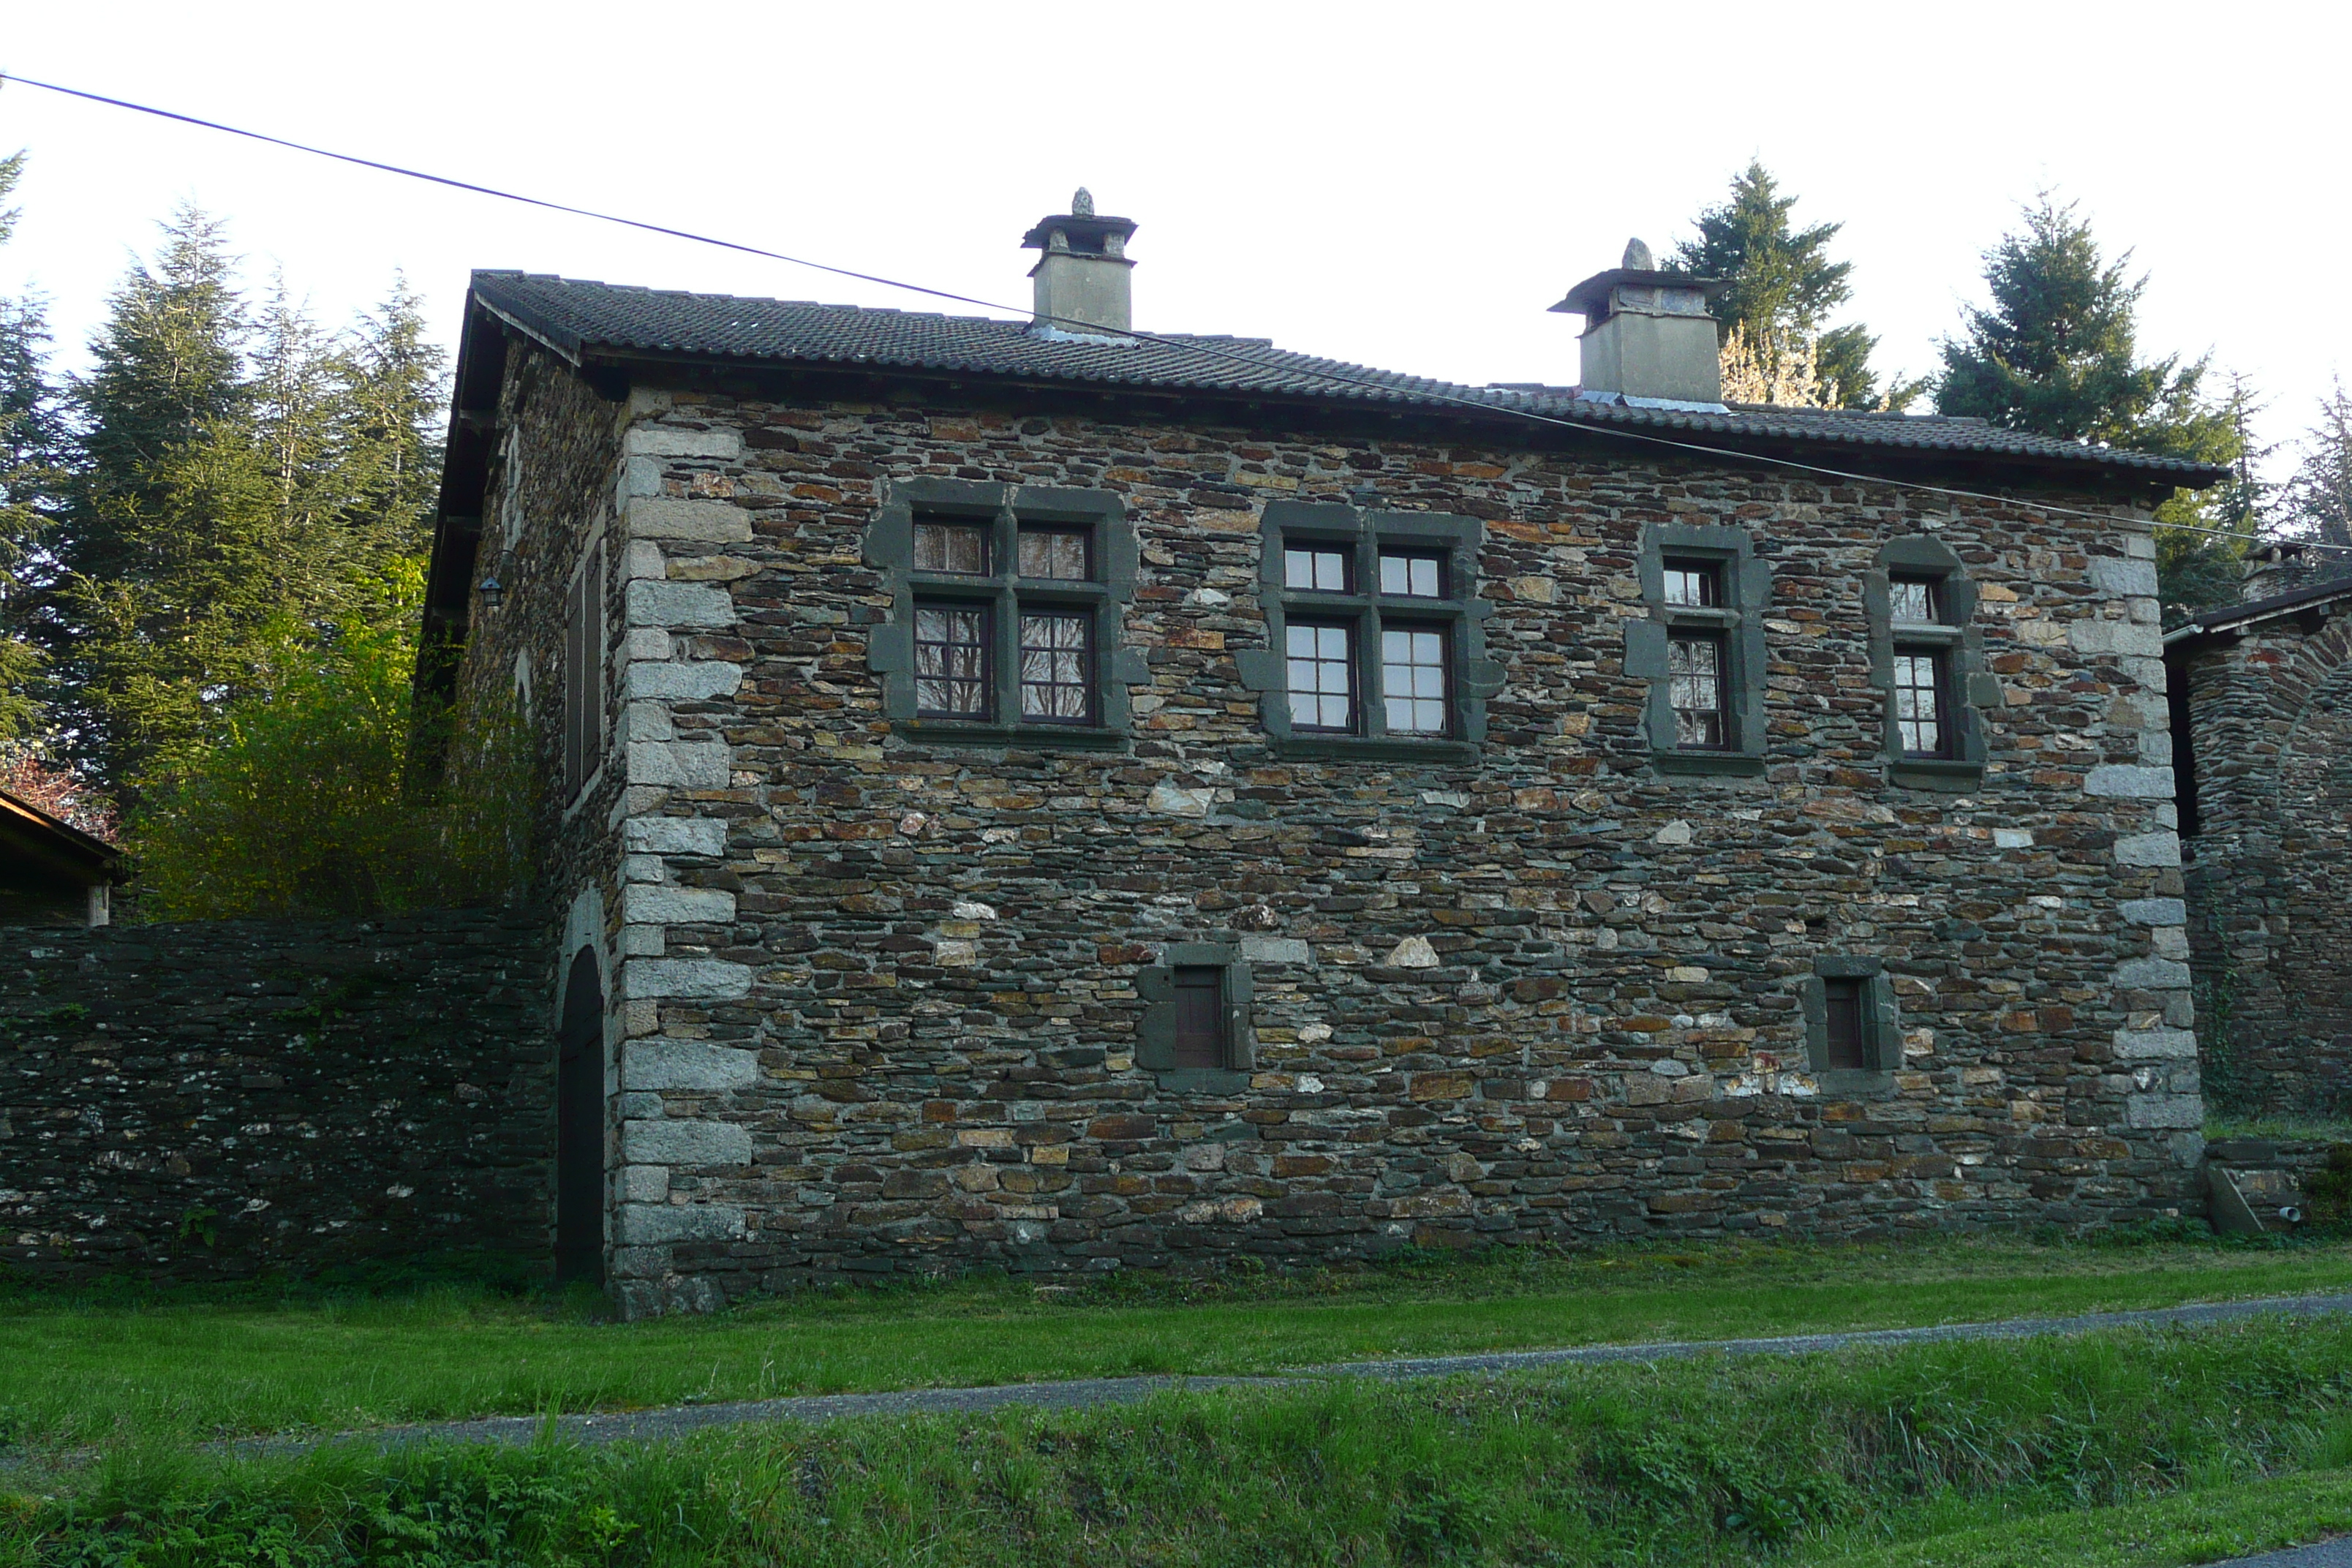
(209, 1100)
(2270, 869)
(881, 1002)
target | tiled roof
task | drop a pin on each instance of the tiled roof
(581, 318)
(2310, 596)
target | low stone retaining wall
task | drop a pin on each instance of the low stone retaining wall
(209, 1100)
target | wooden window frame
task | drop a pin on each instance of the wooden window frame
(987, 644)
(1720, 713)
(1363, 537)
(1967, 692)
(1738, 591)
(1881, 1033)
(1155, 1031)
(1008, 510)
(1089, 684)
(1352, 659)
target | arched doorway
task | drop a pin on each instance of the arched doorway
(580, 1126)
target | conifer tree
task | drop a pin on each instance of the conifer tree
(388, 443)
(1783, 288)
(2057, 352)
(32, 442)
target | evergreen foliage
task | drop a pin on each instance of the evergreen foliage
(2318, 496)
(244, 483)
(2057, 352)
(1783, 290)
(32, 442)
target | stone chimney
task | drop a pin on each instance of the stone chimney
(1084, 281)
(1647, 335)
(2274, 569)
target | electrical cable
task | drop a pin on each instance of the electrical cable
(1182, 345)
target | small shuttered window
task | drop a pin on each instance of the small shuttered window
(584, 667)
(1842, 1005)
(1200, 996)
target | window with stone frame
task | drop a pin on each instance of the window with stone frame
(1926, 660)
(1194, 1032)
(1853, 1038)
(1702, 648)
(1375, 632)
(583, 669)
(1007, 607)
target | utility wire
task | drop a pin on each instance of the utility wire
(1181, 345)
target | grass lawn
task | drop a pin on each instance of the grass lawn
(2129, 1447)
(84, 1370)
(2205, 1525)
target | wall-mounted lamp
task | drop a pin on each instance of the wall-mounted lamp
(493, 593)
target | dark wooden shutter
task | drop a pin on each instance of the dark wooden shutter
(584, 658)
(1200, 996)
(1843, 1002)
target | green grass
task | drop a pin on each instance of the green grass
(2205, 1525)
(2285, 1128)
(85, 1370)
(1953, 1454)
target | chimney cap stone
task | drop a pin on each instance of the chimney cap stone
(1638, 258)
(1080, 230)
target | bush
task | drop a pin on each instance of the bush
(305, 802)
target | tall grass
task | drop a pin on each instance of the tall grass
(1694, 1463)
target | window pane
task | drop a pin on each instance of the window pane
(1413, 680)
(1695, 688)
(1920, 716)
(951, 547)
(1695, 583)
(1322, 676)
(1844, 1000)
(1315, 568)
(1057, 679)
(1410, 575)
(1200, 998)
(952, 662)
(1912, 599)
(1057, 553)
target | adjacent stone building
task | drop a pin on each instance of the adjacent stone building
(1036, 793)
(2262, 720)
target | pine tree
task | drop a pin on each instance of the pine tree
(32, 442)
(1784, 288)
(2057, 352)
(2318, 499)
(388, 443)
(173, 568)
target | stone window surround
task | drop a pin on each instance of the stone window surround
(1882, 1027)
(1970, 687)
(890, 648)
(1473, 677)
(1155, 1037)
(1746, 583)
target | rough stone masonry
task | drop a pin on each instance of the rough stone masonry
(881, 992)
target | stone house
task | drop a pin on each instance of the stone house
(1036, 794)
(2261, 695)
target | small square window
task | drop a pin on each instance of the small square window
(1841, 1002)
(952, 662)
(1695, 688)
(1694, 584)
(1322, 676)
(1199, 991)
(1415, 574)
(1314, 568)
(1057, 667)
(1055, 554)
(959, 547)
(1920, 707)
(1916, 600)
(1413, 679)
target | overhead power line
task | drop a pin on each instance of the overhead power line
(1180, 345)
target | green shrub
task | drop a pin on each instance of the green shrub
(305, 801)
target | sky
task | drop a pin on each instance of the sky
(1404, 187)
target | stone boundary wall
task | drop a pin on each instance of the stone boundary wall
(2269, 877)
(214, 1099)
